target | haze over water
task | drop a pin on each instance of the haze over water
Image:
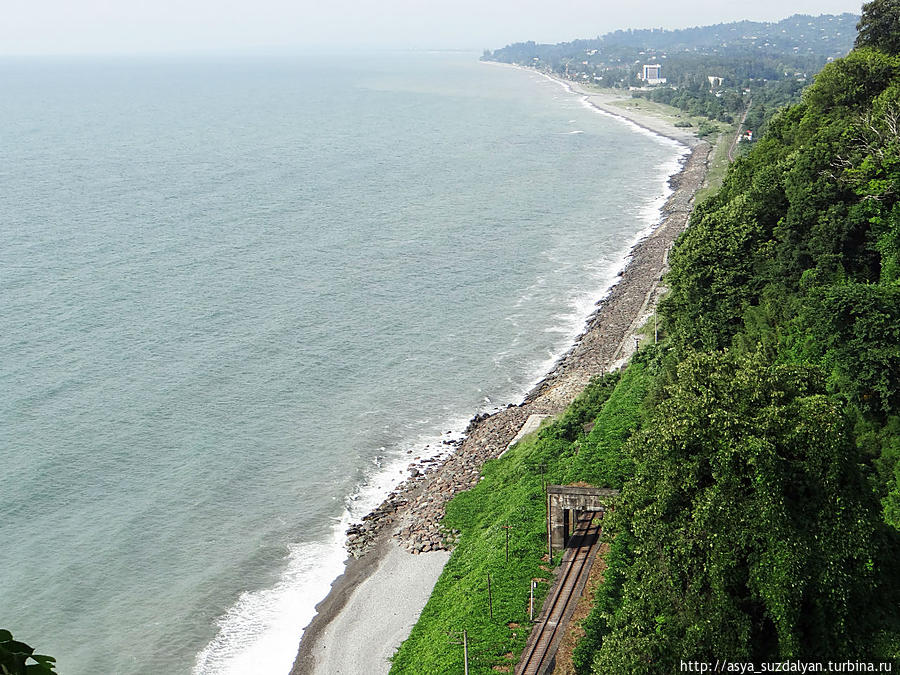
(234, 294)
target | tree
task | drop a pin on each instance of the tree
(753, 531)
(14, 657)
(879, 26)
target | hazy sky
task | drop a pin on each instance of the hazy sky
(104, 26)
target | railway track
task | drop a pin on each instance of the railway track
(739, 128)
(540, 650)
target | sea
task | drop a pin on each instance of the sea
(238, 294)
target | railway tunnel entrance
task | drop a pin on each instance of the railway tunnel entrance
(565, 504)
(573, 524)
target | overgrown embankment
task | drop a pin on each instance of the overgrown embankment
(761, 521)
(757, 446)
(584, 444)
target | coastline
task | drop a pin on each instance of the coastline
(410, 516)
(604, 101)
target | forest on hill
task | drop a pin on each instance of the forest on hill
(756, 445)
(766, 63)
(740, 49)
(761, 521)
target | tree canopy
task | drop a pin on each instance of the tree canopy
(15, 657)
(880, 26)
(753, 532)
(762, 519)
(757, 446)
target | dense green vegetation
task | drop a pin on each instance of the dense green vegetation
(757, 446)
(740, 50)
(15, 657)
(880, 26)
(761, 521)
(753, 533)
(512, 494)
(761, 65)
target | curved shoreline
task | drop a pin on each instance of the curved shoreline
(411, 514)
(602, 102)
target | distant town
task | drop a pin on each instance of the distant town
(712, 71)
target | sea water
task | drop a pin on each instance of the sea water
(237, 295)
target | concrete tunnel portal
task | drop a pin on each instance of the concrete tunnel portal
(565, 502)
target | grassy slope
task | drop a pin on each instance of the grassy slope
(511, 493)
(670, 113)
(718, 159)
(718, 164)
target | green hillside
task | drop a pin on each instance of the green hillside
(757, 445)
(713, 71)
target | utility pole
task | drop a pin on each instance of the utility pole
(542, 468)
(531, 602)
(466, 652)
(465, 646)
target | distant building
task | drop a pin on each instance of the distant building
(714, 81)
(650, 74)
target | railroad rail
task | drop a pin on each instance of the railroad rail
(740, 126)
(540, 650)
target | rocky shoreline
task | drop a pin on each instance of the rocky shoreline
(411, 514)
(414, 510)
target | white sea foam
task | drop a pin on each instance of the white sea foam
(585, 100)
(259, 633)
(606, 273)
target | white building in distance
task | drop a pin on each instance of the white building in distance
(650, 74)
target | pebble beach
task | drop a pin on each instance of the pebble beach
(397, 552)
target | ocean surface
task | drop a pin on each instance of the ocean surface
(238, 295)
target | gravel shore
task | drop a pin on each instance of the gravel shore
(359, 621)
